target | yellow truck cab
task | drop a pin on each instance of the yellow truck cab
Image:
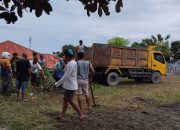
(157, 64)
(111, 63)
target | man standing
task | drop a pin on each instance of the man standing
(84, 69)
(23, 74)
(42, 61)
(35, 67)
(6, 74)
(13, 63)
(35, 55)
(80, 48)
(69, 83)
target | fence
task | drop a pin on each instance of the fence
(173, 69)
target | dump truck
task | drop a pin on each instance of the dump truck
(111, 63)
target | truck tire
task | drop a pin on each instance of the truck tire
(112, 79)
(156, 77)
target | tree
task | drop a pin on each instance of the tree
(64, 48)
(161, 43)
(175, 50)
(8, 12)
(118, 41)
(137, 44)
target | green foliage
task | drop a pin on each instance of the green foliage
(46, 71)
(101, 6)
(40, 113)
(161, 43)
(118, 41)
(9, 14)
(69, 46)
(65, 47)
(165, 49)
(175, 50)
(137, 44)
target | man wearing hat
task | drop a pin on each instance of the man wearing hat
(6, 74)
(69, 83)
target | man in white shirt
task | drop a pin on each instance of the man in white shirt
(80, 47)
(69, 83)
(35, 67)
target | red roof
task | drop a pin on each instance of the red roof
(13, 47)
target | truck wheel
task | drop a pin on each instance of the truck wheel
(156, 77)
(112, 79)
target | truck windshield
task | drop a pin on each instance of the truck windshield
(159, 57)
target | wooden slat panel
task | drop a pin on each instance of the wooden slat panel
(143, 63)
(88, 54)
(131, 53)
(143, 54)
(116, 52)
(130, 62)
(104, 55)
(116, 62)
(101, 55)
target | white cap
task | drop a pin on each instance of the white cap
(6, 55)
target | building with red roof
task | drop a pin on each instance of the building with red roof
(13, 47)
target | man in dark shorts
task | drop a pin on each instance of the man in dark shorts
(69, 83)
(23, 73)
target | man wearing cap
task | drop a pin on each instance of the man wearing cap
(69, 83)
(6, 74)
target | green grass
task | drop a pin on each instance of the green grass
(40, 113)
(23, 115)
(166, 91)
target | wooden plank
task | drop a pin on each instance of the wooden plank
(101, 55)
(116, 62)
(88, 55)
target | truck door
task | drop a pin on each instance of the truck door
(158, 63)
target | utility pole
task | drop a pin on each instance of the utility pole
(30, 42)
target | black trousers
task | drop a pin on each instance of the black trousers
(6, 85)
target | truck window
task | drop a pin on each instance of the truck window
(159, 57)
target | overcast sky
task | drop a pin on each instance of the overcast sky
(68, 23)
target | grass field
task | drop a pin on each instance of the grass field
(117, 107)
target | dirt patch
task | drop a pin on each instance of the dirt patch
(146, 102)
(165, 116)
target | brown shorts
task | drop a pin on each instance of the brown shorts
(83, 87)
(69, 94)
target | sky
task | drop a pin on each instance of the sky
(69, 23)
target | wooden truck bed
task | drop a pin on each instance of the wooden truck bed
(103, 55)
